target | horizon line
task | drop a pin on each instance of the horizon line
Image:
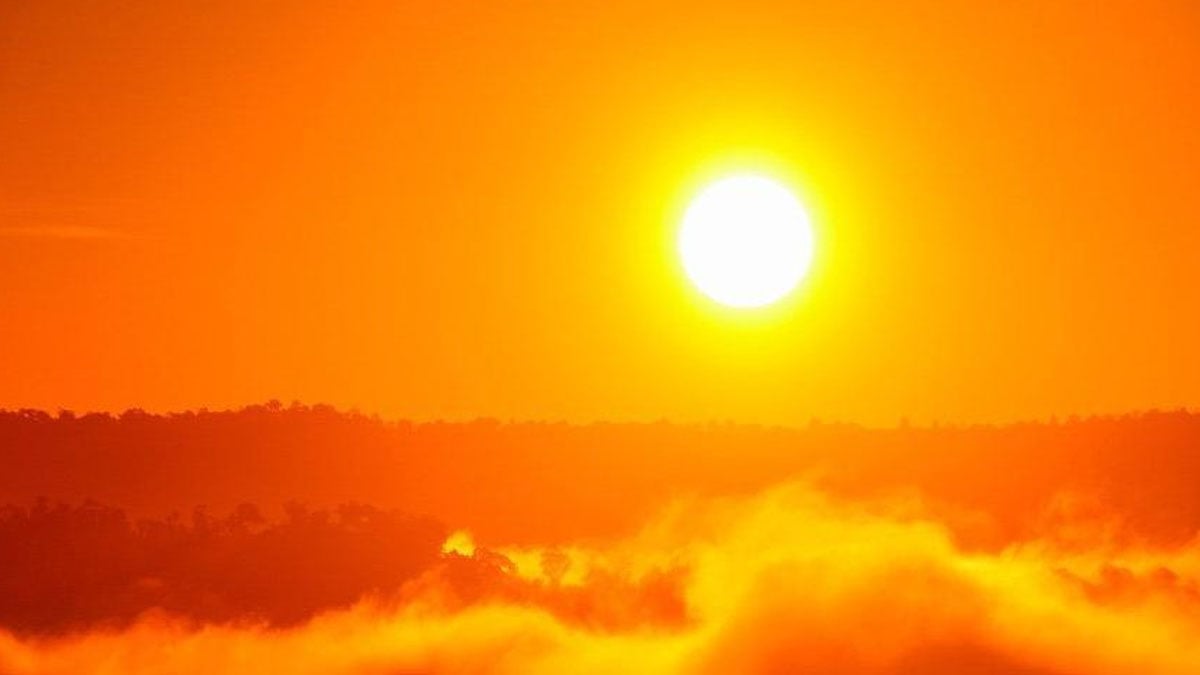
(815, 422)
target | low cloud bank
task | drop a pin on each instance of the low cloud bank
(789, 580)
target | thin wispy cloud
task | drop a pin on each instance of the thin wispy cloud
(60, 232)
(69, 221)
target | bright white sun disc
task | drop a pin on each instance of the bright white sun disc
(746, 241)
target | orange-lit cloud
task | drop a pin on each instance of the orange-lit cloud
(786, 581)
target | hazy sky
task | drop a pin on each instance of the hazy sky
(460, 210)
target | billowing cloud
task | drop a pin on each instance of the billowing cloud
(785, 581)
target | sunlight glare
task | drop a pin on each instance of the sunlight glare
(746, 241)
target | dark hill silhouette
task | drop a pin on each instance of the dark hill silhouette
(550, 482)
(71, 567)
(335, 490)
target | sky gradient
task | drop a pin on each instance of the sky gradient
(437, 211)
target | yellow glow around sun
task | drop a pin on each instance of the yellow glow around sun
(746, 241)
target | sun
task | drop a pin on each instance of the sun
(746, 241)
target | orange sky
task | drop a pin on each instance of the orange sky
(452, 210)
